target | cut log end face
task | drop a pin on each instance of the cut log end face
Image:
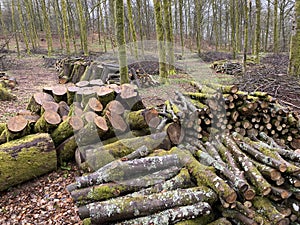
(101, 123)
(50, 106)
(90, 116)
(59, 90)
(17, 123)
(117, 121)
(175, 133)
(95, 104)
(128, 91)
(116, 107)
(76, 122)
(41, 97)
(52, 117)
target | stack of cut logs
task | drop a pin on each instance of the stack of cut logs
(214, 156)
(7, 83)
(79, 69)
(227, 67)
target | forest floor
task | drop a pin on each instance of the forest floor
(45, 200)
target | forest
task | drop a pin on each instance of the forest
(144, 112)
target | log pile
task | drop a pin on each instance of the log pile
(227, 67)
(243, 173)
(7, 83)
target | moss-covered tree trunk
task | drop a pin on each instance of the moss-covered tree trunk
(294, 66)
(120, 34)
(275, 28)
(3, 25)
(24, 33)
(257, 30)
(266, 42)
(83, 28)
(65, 25)
(47, 27)
(25, 159)
(246, 21)
(163, 73)
(14, 26)
(58, 22)
(29, 17)
(139, 21)
(233, 27)
(132, 28)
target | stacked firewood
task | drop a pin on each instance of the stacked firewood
(215, 174)
(227, 67)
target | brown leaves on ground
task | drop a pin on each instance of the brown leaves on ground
(41, 201)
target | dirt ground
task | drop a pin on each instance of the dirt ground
(32, 76)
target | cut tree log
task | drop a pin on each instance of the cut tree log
(66, 129)
(49, 106)
(94, 105)
(105, 95)
(5, 95)
(63, 109)
(48, 122)
(66, 151)
(37, 100)
(59, 93)
(130, 207)
(25, 159)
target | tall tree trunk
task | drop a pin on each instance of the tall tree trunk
(14, 26)
(30, 17)
(163, 73)
(83, 28)
(24, 33)
(181, 26)
(71, 26)
(246, 21)
(233, 27)
(294, 66)
(65, 25)
(276, 34)
(132, 28)
(267, 25)
(58, 22)
(139, 21)
(3, 26)
(257, 30)
(103, 26)
(199, 16)
(120, 34)
(169, 35)
(47, 27)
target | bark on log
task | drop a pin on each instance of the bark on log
(66, 151)
(15, 128)
(36, 101)
(105, 95)
(118, 170)
(63, 109)
(25, 159)
(5, 95)
(48, 122)
(171, 216)
(66, 129)
(71, 92)
(94, 105)
(130, 207)
(59, 93)
(114, 189)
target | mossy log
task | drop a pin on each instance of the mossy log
(71, 93)
(114, 189)
(238, 217)
(66, 151)
(2, 127)
(99, 156)
(48, 122)
(15, 128)
(267, 209)
(105, 95)
(5, 95)
(46, 106)
(63, 109)
(37, 100)
(204, 176)
(170, 216)
(118, 170)
(93, 105)
(25, 159)
(251, 172)
(66, 129)
(136, 119)
(123, 208)
(59, 93)
(220, 221)
(130, 97)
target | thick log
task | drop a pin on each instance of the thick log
(267, 209)
(136, 119)
(237, 216)
(118, 170)
(114, 189)
(46, 106)
(59, 93)
(94, 105)
(130, 97)
(66, 129)
(252, 173)
(130, 207)
(63, 109)
(37, 100)
(15, 128)
(48, 122)
(5, 95)
(170, 216)
(105, 95)
(25, 159)
(220, 221)
(114, 106)
(204, 176)
(66, 151)
(71, 93)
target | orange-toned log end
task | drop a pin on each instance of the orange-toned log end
(17, 124)
(95, 104)
(76, 122)
(101, 123)
(52, 117)
(249, 194)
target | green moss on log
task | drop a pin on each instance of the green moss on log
(25, 159)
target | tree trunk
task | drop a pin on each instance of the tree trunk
(25, 159)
